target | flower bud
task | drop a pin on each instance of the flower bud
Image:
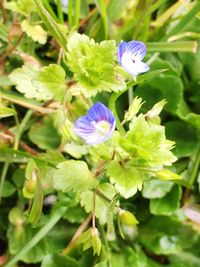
(96, 241)
(127, 217)
(156, 109)
(167, 175)
(16, 217)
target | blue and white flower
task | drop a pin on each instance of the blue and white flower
(96, 126)
(130, 56)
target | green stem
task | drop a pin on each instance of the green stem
(21, 128)
(112, 106)
(177, 46)
(3, 177)
(50, 10)
(195, 169)
(105, 242)
(40, 234)
(60, 12)
(77, 13)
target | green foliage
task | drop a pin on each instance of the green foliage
(101, 205)
(93, 65)
(23, 7)
(41, 85)
(165, 235)
(127, 178)
(129, 201)
(148, 142)
(44, 134)
(74, 175)
(6, 112)
(36, 32)
(167, 204)
(55, 259)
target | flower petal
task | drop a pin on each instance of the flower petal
(137, 50)
(96, 126)
(132, 66)
(121, 50)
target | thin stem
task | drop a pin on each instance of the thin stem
(60, 12)
(78, 232)
(50, 9)
(3, 177)
(94, 210)
(130, 95)
(11, 49)
(103, 235)
(21, 127)
(38, 236)
(195, 169)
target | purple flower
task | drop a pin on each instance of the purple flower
(64, 3)
(130, 57)
(96, 126)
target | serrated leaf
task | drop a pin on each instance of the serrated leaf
(51, 80)
(23, 79)
(73, 175)
(23, 7)
(127, 179)
(148, 141)
(6, 112)
(36, 32)
(45, 84)
(93, 65)
(101, 205)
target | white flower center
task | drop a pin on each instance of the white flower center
(102, 127)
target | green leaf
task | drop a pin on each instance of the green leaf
(36, 32)
(23, 7)
(18, 238)
(45, 84)
(163, 86)
(127, 179)
(8, 189)
(6, 112)
(165, 235)
(148, 141)
(74, 175)
(167, 204)
(101, 205)
(93, 65)
(44, 135)
(55, 260)
(37, 201)
(185, 136)
(156, 188)
(51, 80)
(23, 79)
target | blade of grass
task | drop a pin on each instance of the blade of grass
(77, 13)
(51, 24)
(70, 14)
(50, 9)
(179, 46)
(60, 12)
(40, 234)
(3, 176)
(183, 23)
(101, 5)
